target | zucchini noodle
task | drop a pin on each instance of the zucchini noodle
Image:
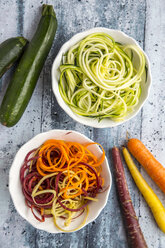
(99, 78)
(60, 179)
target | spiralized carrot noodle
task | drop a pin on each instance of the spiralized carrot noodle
(59, 179)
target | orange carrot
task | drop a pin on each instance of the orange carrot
(154, 169)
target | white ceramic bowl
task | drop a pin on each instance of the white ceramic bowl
(119, 37)
(16, 190)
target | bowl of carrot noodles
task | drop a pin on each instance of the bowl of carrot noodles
(60, 181)
(101, 77)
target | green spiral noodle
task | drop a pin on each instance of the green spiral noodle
(98, 78)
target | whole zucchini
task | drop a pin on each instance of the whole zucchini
(10, 51)
(27, 73)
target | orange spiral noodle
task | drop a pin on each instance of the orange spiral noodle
(62, 179)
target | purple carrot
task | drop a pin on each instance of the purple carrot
(134, 234)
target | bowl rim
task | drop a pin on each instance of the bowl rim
(13, 166)
(62, 103)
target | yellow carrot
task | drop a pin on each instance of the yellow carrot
(151, 198)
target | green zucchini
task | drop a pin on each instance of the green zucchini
(27, 73)
(10, 51)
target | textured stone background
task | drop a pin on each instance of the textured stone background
(144, 20)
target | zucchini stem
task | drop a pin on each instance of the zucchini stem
(48, 10)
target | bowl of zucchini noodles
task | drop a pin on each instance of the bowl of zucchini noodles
(101, 77)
